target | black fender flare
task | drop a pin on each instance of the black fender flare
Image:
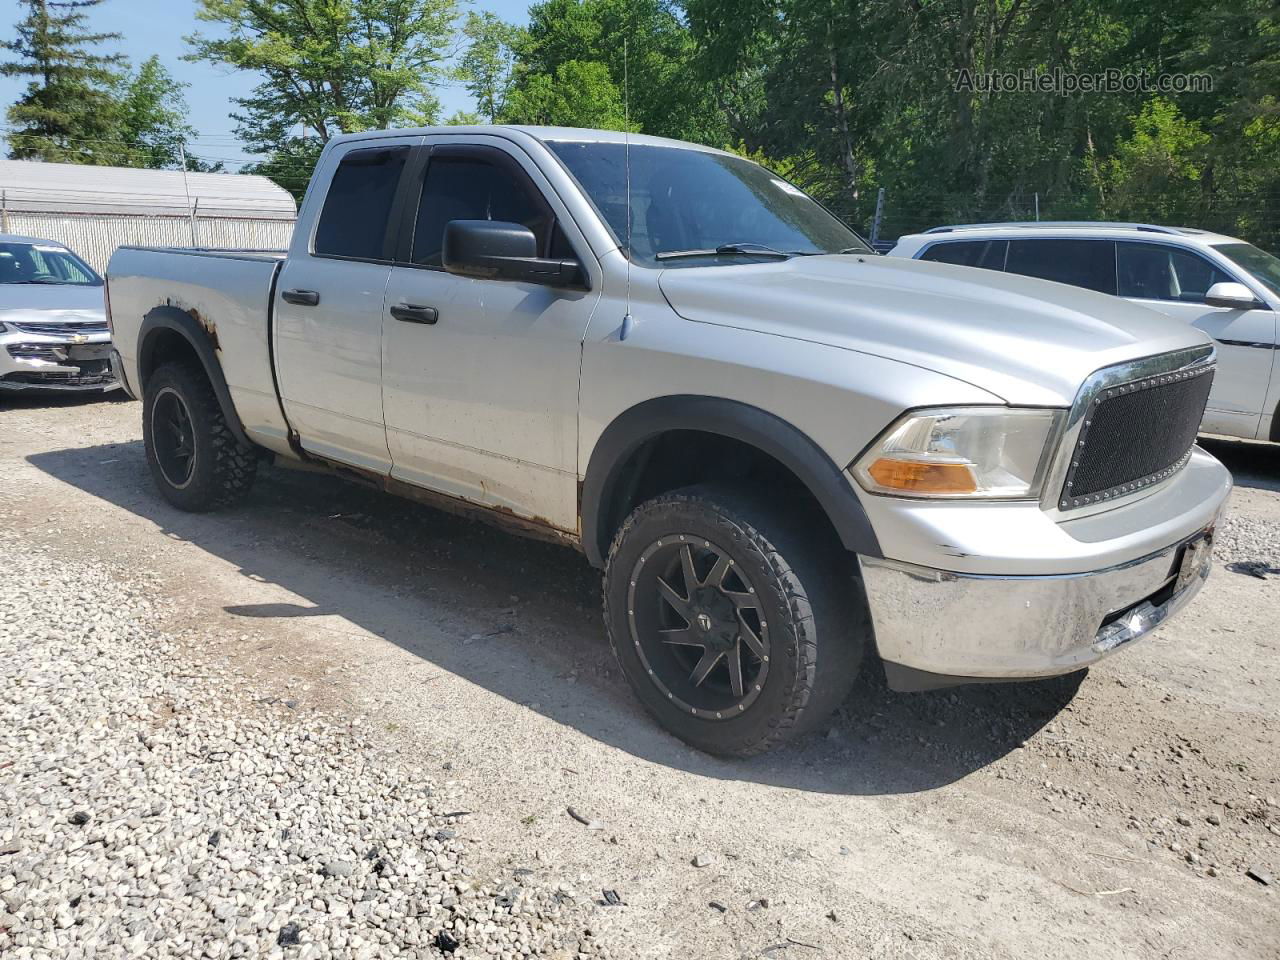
(766, 432)
(203, 343)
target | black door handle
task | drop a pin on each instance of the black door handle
(303, 298)
(412, 313)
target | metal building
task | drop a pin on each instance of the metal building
(93, 210)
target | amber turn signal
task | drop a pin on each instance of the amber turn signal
(922, 477)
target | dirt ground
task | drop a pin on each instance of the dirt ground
(1116, 815)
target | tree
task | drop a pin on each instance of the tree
(153, 119)
(1155, 174)
(330, 66)
(666, 97)
(487, 67)
(68, 113)
(290, 166)
(579, 94)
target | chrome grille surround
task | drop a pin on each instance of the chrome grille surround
(1054, 499)
(56, 329)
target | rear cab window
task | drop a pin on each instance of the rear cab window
(1081, 263)
(356, 217)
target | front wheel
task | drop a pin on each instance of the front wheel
(195, 459)
(737, 626)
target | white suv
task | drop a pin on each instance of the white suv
(1226, 287)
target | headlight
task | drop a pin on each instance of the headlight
(978, 452)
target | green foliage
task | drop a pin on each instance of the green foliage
(1155, 174)
(581, 43)
(852, 94)
(487, 67)
(153, 123)
(329, 66)
(290, 166)
(68, 112)
(579, 94)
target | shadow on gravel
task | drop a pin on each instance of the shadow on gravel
(521, 619)
(37, 400)
(1252, 463)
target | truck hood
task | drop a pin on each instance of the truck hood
(51, 303)
(1027, 341)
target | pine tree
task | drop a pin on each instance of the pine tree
(69, 111)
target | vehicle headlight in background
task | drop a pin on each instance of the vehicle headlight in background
(976, 452)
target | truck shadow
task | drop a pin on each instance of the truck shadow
(40, 400)
(521, 619)
(1252, 463)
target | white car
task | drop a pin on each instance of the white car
(1226, 287)
(53, 320)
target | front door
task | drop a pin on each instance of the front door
(480, 377)
(1174, 281)
(329, 304)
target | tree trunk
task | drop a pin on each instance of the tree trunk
(842, 116)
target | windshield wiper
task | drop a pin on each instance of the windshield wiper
(39, 280)
(747, 247)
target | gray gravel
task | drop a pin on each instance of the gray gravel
(1242, 538)
(155, 806)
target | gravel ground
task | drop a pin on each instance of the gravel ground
(1245, 539)
(155, 805)
(324, 650)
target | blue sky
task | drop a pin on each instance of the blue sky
(158, 26)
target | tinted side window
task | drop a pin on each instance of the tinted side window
(357, 207)
(1153, 271)
(969, 253)
(1081, 263)
(466, 188)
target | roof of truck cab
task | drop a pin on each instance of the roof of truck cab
(559, 134)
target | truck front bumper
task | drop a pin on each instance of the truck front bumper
(937, 627)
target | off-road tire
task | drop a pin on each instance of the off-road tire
(817, 620)
(223, 469)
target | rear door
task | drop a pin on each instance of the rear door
(329, 304)
(480, 377)
(1079, 262)
(1174, 280)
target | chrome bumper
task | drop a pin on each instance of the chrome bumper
(962, 628)
(44, 362)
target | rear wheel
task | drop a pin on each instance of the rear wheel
(195, 459)
(736, 625)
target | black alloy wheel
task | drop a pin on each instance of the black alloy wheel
(174, 437)
(697, 627)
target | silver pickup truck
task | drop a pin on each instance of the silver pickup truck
(788, 455)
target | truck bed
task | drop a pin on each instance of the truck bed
(228, 293)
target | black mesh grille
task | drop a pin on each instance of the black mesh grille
(1137, 433)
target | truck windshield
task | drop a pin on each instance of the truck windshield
(1264, 267)
(696, 207)
(44, 263)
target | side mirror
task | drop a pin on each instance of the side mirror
(1235, 296)
(496, 250)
